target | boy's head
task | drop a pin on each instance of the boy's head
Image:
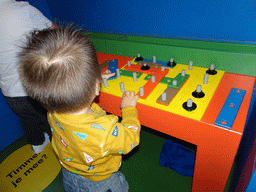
(59, 68)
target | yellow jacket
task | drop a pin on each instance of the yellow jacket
(91, 144)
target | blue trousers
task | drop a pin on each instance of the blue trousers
(76, 183)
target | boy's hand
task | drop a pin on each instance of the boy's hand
(107, 74)
(129, 99)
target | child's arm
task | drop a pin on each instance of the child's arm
(124, 136)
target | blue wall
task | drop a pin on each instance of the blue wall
(217, 20)
(42, 6)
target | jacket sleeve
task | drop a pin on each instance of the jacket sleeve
(123, 137)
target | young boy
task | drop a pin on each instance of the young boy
(59, 68)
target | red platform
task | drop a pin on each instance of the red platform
(216, 146)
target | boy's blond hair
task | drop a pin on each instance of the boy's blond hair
(59, 68)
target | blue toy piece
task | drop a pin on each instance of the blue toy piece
(112, 67)
(230, 108)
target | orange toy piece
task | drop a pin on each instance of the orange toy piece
(149, 86)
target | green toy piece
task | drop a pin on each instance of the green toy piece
(129, 73)
(180, 80)
(165, 80)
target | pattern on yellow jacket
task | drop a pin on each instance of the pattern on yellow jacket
(91, 144)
